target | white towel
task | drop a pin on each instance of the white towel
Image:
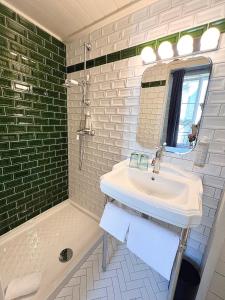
(115, 221)
(23, 286)
(154, 244)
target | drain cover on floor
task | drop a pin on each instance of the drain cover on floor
(65, 255)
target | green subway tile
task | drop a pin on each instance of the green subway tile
(53, 94)
(8, 33)
(32, 113)
(30, 164)
(25, 42)
(35, 38)
(39, 106)
(220, 24)
(7, 11)
(45, 69)
(59, 88)
(18, 48)
(5, 82)
(51, 63)
(140, 47)
(7, 54)
(62, 53)
(62, 68)
(4, 146)
(11, 93)
(12, 169)
(44, 34)
(21, 174)
(38, 74)
(100, 60)
(173, 38)
(3, 42)
(31, 80)
(16, 27)
(27, 141)
(39, 91)
(46, 85)
(59, 59)
(20, 144)
(37, 57)
(27, 24)
(44, 52)
(194, 32)
(23, 104)
(32, 128)
(4, 62)
(80, 66)
(21, 68)
(26, 136)
(7, 120)
(59, 74)
(52, 79)
(129, 52)
(58, 44)
(51, 47)
(10, 74)
(19, 159)
(113, 57)
(24, 120)
(10, 153)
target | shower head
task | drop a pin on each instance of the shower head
(71, 83)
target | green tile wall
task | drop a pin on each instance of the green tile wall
(33, 125)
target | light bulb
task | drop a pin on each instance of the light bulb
(148, 55)
(165, 50)
(185, 45)
(210, 39)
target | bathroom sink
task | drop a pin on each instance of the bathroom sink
(173, 196)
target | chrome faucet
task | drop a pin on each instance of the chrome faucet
(157, 159)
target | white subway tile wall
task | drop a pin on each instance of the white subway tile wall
(114, 93)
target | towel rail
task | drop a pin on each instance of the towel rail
(177, 262)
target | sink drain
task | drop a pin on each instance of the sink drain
(65, 255)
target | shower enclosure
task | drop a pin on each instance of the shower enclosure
(85, 127)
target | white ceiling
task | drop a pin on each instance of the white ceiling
(64, 18)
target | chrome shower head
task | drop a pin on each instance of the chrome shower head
(70, 83)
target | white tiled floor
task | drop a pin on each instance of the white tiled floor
(126, 278)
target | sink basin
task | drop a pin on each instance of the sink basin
(173, 196)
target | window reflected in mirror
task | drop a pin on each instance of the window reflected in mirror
(192, 96)
(172, 102)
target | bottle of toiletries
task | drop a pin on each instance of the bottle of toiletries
(202, 151)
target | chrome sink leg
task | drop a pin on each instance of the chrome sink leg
(177, 263)
(105, 243)
(105, 251)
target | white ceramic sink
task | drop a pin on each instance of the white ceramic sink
(174, 196)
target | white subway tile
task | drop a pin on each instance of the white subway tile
(170, 15)
(195, 5)
(209, 15)
(159, 6)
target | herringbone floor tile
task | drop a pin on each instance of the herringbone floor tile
(126, 278)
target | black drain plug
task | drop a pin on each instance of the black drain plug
(65, 255)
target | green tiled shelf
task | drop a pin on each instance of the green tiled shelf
(136, 50)
(33, 130)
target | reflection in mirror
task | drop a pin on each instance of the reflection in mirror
(171, 104)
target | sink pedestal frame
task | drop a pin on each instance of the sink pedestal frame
(176, 265)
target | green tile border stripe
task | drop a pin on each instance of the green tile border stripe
(151, 84)
(196, 32)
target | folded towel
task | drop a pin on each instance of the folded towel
(115, 221)
(23, 286)
(154, 244)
